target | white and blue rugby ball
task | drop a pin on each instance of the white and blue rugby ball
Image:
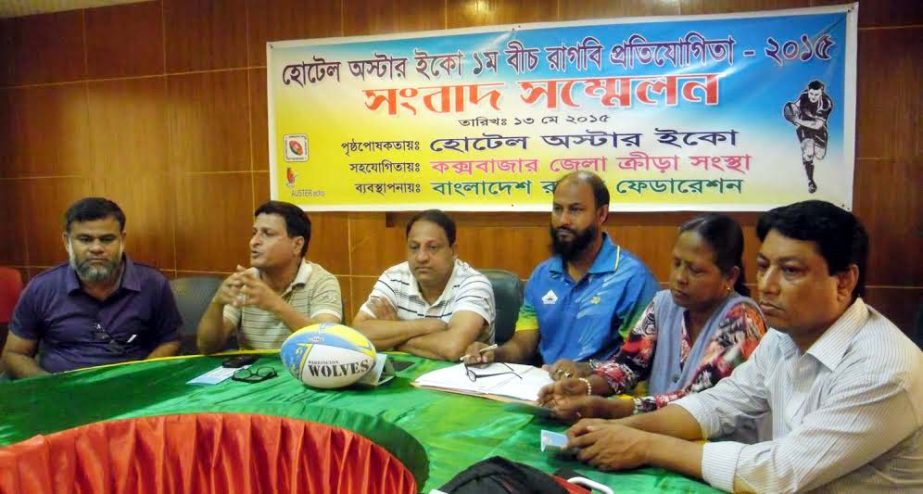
(328, 355)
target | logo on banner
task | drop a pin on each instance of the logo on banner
(296, 147)
(290, 177)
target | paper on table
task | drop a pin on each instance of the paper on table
(504, 384)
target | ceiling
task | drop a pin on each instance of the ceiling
(20, 8)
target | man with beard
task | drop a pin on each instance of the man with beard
(580, 303)
(99, 308)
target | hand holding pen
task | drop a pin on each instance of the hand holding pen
(479, 353)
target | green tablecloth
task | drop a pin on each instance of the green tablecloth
(455, 431)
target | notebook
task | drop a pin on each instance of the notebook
(504, 382)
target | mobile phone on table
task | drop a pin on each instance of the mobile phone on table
(239, 361)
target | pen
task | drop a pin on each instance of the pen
(485, 349)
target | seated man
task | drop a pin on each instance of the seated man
(432, 305)
(843, 384)
(280, 293)
(581, 303)
(98, 308)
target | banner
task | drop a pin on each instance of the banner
(738, 112)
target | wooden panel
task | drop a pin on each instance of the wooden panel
(150, 216)
(346, 287)
(220, 274)
(373, 245)
(125, 40)
(45, 131)
(277, 20)
(13, 248)
(6, 51)
(360, 288)
(207, 121)
(259, 120)
(205, 34)
(128, 127)
(466, 13)
(391, 16)
(330, 241)
(888, 200)
(48, 48)
(587, 9)
(897, 304)
(260, 189)
(884, 12)
(46, 200)
(691, 7)
(890, 109)
(213, 221)
(515, 249)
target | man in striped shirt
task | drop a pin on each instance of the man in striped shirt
(433, 304)
(843, 385)
(280, 293)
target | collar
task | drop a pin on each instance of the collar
(301, 277)
(607, 259)
(415, 286)
(830, 348)
(129, 278)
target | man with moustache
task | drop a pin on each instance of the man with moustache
(280, 293)
(581, 303)
(99, 308)
(433, 304)
(843, 385)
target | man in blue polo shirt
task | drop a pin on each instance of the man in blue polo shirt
(581, 303)
(98, 308)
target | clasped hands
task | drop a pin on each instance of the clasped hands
(245, 288)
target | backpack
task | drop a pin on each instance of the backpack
(497, 475)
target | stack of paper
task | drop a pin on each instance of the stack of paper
(494, 381)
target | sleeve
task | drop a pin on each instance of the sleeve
(167, 321)
(639, 291)
(528, 319)
(476, 294)
(381, 289)
(863, 416)
(326, 298)
(26, 321)
(737, 337)
(827, 109)
(633, 361)
(232, 315)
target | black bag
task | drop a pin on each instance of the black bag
(498, 475)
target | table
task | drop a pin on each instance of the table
(454, 431)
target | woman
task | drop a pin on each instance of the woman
(689, 338)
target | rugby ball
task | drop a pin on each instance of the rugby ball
(328, 355)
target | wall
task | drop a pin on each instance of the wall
(162, 107)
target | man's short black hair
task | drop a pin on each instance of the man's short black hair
(840, 237)
(600, 192)
(434, 216)
(93, 208)
(815, 84)
(297, 223)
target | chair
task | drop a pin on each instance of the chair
(193, 294)
(508, 298)
(10, 289)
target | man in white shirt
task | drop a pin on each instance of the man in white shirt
(432, 305)
(843, 384)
